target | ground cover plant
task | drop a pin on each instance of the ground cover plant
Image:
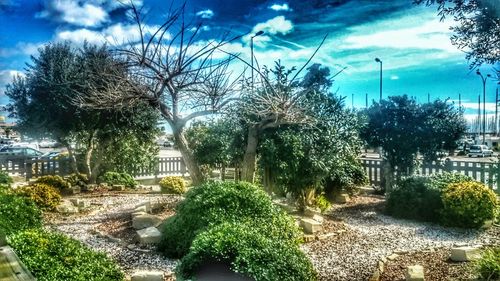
(114, 178)
(488, 266)
(50, 256)
(45, 196)
(18, 213)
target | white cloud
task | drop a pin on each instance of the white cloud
(116, 34)
(74, 12)
(394, 77)
(21, 48)
(278, 7)
(205, 14)
(277, 25)
(6, 77)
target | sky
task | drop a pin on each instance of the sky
(413, 44)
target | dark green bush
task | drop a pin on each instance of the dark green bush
(56, 182)
(468, 204)
(248, 251)
(54, 257)
(45, 196)
(18, 213)
(441, 181)
(216, 202)
(114, 178)
(488, 266)
(5, 179)
(415, 198)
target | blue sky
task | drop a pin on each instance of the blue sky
(413, 44)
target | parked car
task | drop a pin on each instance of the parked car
(18, 153)
(48, 144)
(54, 155)
(26, 144)
(480, 151)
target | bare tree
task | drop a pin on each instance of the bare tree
(173, 71)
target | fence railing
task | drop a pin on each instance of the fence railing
(480, 171)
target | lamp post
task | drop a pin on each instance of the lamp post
(251, 50)
(483, 79)
(380, 61)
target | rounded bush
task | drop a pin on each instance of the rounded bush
(415, 198)
(173, 185)
(18, 213)
(114, 178)
(442, 180)
(216, 202)
(468, 204)
(45, 196)
(248, 251)
(56, 182)
(488, 266)
(50, 256)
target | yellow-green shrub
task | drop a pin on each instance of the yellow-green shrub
(56, 182)
(468, 204)
(173, 185)
(45, 196)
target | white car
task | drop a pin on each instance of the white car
(480, 151)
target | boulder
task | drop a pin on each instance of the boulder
(310, 212)
(342, 198)
(147, 206)
(461, 254)
(118, 187)
(318, 218)
(145, 221)
(75, 201)
(311, 226)
(308, 238)
(150, 235)
(149, 275)
(92, 187)
(66, 207)
(135, 214)
(415, 273)
(140, 209)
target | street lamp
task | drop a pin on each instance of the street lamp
(483, 79)
(251, 50)
(380, 61)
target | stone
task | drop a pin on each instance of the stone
(375, 276)
(308, 238)
(66, 207)
(149, 275)
(310, 212)
(118, 187)
(342, 198)
(381, 266)
(135, 214)
(92, 187)
(461, 254)
(140, 209)
(147, 206)
(392, 257)
(326, 236)
(415, 273)
(113, 239)
(318, 218)
(75, 201)
(83, 205)
(311, 226)
(145, 221)
(150, 235)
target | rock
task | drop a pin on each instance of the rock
(310, 212)
(461, 254)
(113, 239)
(131, 247)
(326, 236)
(145, 221)
(318, 218)
(415, 273)
(147, 206)
(148, 275)
(287, 208)
(342, 198)
(381, 266)
(487, 224)
(118, 187)
(75, 201)
(135, 214)
(150, 235)
(92, 187)
(66, 207)
(375, 276)
(311, 226)
(392, 257)
(140, 209)
(308, 238)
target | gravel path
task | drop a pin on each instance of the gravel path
(353, 255)
(106, 208)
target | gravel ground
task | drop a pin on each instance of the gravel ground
(353, 254)
(113, 210)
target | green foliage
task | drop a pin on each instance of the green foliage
(488, 266)
(5, 179)
(468, 204)
(216, 202)
(77, 179)
(322, 203)
(115, 178)
(442, 180)
(248, 251)
(53, 257)
(173, 185)
(45, 196)
(18, 213)
(56, 182)
(415, 198)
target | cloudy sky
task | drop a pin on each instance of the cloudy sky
(413, 44)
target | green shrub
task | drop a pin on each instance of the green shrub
(54, 257)
(488, 266)
(216, 202)
(248, 251)
(415, 198)
(5, 179)
(441, 181)
(45, 196)
(114, 178)
(173, 185)
(468, 204)
(18, 213)
(322, 203)
(77, 179)
(56, 182)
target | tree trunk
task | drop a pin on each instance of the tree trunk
(72, 157)
(248, 169)
(223, 172)
(88, 156)
(388, 176)
(188, 157)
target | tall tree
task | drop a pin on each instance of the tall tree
(478, 29)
